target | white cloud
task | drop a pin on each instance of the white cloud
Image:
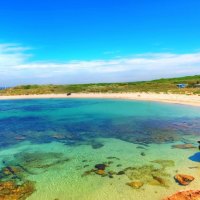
(12, 55)
(15, 67)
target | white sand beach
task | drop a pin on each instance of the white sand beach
(193, 100)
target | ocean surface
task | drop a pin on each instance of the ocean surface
(96, 149)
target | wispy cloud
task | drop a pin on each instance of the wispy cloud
(15, 67)
(12, 55)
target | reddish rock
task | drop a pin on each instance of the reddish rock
(183, 179)
(185, 195)
(9, 190)
(100, 172)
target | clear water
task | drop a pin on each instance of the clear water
(56, 143)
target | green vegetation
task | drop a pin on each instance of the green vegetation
(158, 86)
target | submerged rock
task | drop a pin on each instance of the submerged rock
(11, 170)
(135, 184)
(184, 146)
(100, 166)
(20, 137)
(163, 136)
(140, 147)
(11, 173)
(185, 195)
(160, 181)
(164, 163)
(10, 190)
(112, 172)
(58, 136)
(97, 145)
(148, 174)
(88, 172)
(39, 160)
(121, 173)
(113, 157)
(143, 154)
(183, 179)
(100, 172)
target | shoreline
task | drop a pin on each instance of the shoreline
(192, 100)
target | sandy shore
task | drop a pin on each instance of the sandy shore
(193, 100)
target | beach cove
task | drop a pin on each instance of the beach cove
(98, 148)
(186, 99)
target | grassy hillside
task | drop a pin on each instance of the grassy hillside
(161, 85)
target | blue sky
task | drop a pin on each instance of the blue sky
(80, 41)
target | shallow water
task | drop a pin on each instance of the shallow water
(54, 144)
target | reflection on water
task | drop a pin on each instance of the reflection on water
(75, 139)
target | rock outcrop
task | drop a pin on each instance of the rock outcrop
(183, 179)
(185, 195)
(136, 184)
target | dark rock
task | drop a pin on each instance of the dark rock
(100, 166)
(193, 167)
(113, 157)
(97, 145)
(120, 173)
(140, 147)
(89, 172)
(160, 180)
(111, 173)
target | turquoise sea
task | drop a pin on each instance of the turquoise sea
(96, 149)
